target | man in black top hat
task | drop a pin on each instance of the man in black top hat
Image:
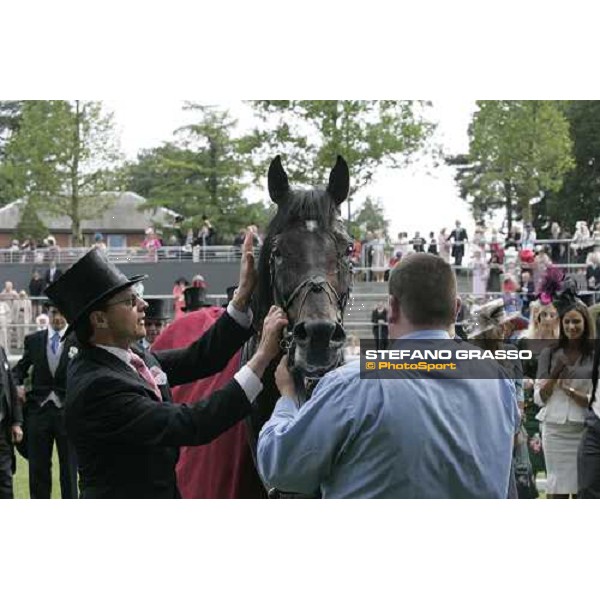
(195, 298)
(11, 419)
(119, 411)
(47, 358)
(155, 320)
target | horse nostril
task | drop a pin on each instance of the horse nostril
(300, 332)
(339, 335)
(317, 331)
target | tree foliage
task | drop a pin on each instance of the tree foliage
(579, 196)
(10, 118)
(309, 134)
(518, 150)
(370, 217)
(201, 173)
(60, 158)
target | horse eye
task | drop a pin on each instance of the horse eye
(349, 249)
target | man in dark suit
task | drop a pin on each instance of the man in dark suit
(51, 274)
(11, 419)
(119, 412)
(379, 318)
(45, 413)
(460, 238)
(155, 320)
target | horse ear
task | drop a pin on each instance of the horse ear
(278, 181)
(339, 181)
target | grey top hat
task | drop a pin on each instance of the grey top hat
(90, 280)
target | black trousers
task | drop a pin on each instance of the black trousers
(6, 464)
(45, 426)
(381, 337)
(588, 459)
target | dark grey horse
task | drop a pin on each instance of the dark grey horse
(304, 267)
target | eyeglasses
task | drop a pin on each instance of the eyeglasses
(132, 301)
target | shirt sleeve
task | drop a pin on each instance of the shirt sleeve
(297, 448)
(243, 319)
(249, 382)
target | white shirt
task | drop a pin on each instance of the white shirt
(53, 360)
(248, 380)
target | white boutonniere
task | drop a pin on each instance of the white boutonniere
(73, 351)
(159, 375)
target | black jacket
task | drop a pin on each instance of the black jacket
(11, 405)
(126, 439)
(35, 354)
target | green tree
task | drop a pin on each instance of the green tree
(202, 173)
(61, 157)
(10, 118)
(369, 217)
(579, 196)
(518, 150)
(30, 225)
(309, 134)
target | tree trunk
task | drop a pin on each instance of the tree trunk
(75, 219)
(509, 208)
(213, 181)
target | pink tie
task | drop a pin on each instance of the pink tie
(144, 372)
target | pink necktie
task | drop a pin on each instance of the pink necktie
(144, 372)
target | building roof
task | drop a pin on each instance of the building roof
(123, 216)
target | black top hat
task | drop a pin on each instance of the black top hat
(194, 298)
(157, 309)
(230, 291)
(90, 280)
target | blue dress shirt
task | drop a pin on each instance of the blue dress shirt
(415, 437)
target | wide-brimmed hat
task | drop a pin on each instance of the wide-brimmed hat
(194, 298)
(90, 280)
(157, 309)
(493, 314)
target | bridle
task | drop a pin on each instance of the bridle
(310, 285)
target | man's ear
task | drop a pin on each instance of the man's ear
(458, 306)
(98, 320)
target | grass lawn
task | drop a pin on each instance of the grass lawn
(21, 478)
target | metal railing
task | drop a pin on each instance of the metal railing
(572, 251)
(130, 254)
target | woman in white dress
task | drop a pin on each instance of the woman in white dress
(562, 387)
(444, 246)
(22, 317)
(480, 274)
(378, 265)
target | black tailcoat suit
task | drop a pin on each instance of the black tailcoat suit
(459, 235)
(128, 440)
(46, 424)
(10, 414)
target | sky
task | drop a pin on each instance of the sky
(417, 198)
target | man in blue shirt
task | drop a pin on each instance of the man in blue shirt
(414, 437)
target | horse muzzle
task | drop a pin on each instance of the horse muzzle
(319, 346)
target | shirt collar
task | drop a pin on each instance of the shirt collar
(61, 332)
(427, 334)
(118, 352)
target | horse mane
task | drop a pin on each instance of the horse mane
(299, 206)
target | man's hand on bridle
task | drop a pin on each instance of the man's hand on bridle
(284, 379)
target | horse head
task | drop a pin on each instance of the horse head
(304, 267)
